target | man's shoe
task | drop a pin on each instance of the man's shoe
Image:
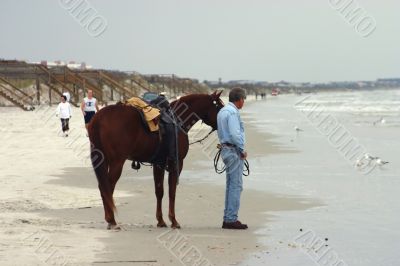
(245, 225)
(234, 225)
(224, 223)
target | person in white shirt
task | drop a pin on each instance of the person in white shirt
(64, 111)
(89, 107)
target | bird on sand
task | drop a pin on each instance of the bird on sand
(298, 129)
(380, 162)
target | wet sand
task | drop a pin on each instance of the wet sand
(52, 211)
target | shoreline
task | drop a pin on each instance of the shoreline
(199, 209)
(61, 206)
(52, 211)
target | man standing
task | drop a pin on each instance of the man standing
(89, 107)
(232, 138)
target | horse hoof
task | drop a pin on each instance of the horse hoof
(175, 226)
(160, 225)
(113, 227)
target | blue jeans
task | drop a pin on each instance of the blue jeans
(234, 182)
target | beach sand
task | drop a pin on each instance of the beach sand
(52, 211)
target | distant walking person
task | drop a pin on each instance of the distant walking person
(64, 111)
(89, 107)
(232, 138)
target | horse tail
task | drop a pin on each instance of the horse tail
(100, 165)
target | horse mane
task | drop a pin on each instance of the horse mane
(188, 98)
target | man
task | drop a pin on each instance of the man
(232, 138)
(64, 111)
(89, 107)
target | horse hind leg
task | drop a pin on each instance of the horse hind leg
(114, 173)
(108, 202)
(172, 183)
(108, 213)
(158, 174)
(100, 167)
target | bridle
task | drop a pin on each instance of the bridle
(218, 105)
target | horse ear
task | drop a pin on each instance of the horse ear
(216, 94)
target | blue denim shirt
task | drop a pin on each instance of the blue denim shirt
(230, 126)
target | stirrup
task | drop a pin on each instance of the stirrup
(135, 165)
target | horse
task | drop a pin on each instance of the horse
(117, 133)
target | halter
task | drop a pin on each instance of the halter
(217, 103)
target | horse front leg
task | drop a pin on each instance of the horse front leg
(158, 174)
(172, 183)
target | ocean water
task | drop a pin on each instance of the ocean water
(359, 217)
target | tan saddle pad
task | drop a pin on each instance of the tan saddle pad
(150, 113)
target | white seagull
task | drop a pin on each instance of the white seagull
(368, 156)
(359, 163)
(380, 162)
(381, 120)
(298, 129)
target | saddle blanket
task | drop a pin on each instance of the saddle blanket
(150, 113)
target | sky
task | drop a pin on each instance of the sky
(268, 40)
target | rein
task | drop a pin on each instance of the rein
(201, 140)
(246, 169)
(178, 123)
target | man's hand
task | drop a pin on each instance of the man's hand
(243, 155)
(84, 113)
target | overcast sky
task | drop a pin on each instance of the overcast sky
(271, 40)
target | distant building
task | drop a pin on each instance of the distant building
(390, 82)
(59, 63)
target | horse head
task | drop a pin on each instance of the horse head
(213, 106)
(195, 107)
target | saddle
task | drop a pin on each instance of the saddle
(149, 113)
(156, 119)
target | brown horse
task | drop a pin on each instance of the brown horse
(117, 134)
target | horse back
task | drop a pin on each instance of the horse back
(120, 132)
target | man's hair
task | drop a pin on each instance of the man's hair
(237, 94)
